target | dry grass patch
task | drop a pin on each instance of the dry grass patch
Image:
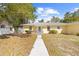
(17, 45)
(61, 45)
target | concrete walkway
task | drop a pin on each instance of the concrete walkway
(39, 48)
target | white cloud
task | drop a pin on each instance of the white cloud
(51, 11)
(43, 15)
(46, 13)
(75, 9)
(47, 18)
(39, 10)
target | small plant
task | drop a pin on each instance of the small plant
(53, 32)
(77, 34)
(28, 32)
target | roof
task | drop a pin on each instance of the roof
(49, 24)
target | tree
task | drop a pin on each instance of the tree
(67, 17)
(17, 13)
(41, 21)
(2, 12)
(71, 17)
(55, 19)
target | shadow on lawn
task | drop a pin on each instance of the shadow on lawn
(4, 37)
(20, 35)
(24, 35)
(15, 34)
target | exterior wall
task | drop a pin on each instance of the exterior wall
(26, 27)
(66, 28)
(43, 27)
(55, 28)
(6, 30)
(71, 29)
(52, 28)
(45, 30)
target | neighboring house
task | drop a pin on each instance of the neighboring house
(5, 28)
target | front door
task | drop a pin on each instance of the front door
(39, 30)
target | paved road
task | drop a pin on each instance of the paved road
(39, 48)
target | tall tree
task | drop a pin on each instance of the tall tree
(41, 21)
(16, 13)
(71, 17)
(2, 12)
(55, 19)
(67, 17)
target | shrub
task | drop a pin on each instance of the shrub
(28, 32)
(77, 34)
(53, 32)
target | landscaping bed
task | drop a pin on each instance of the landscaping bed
(61, 45)
(16, 45)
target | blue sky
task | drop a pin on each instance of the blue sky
(47, 10)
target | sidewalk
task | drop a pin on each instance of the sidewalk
(39, 48)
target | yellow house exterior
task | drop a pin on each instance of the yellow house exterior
(67, 28)
(71, 28)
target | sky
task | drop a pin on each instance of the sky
(47, 10)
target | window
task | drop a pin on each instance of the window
(30, 28)
(2, 26)
(48, 28)
(58, 27)
(10, 28)
(39, 28)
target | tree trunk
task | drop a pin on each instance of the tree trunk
(16, 29)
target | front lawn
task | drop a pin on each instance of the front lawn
(61, 45)
(18, 45)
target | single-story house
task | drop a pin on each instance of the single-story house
(67, 28)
